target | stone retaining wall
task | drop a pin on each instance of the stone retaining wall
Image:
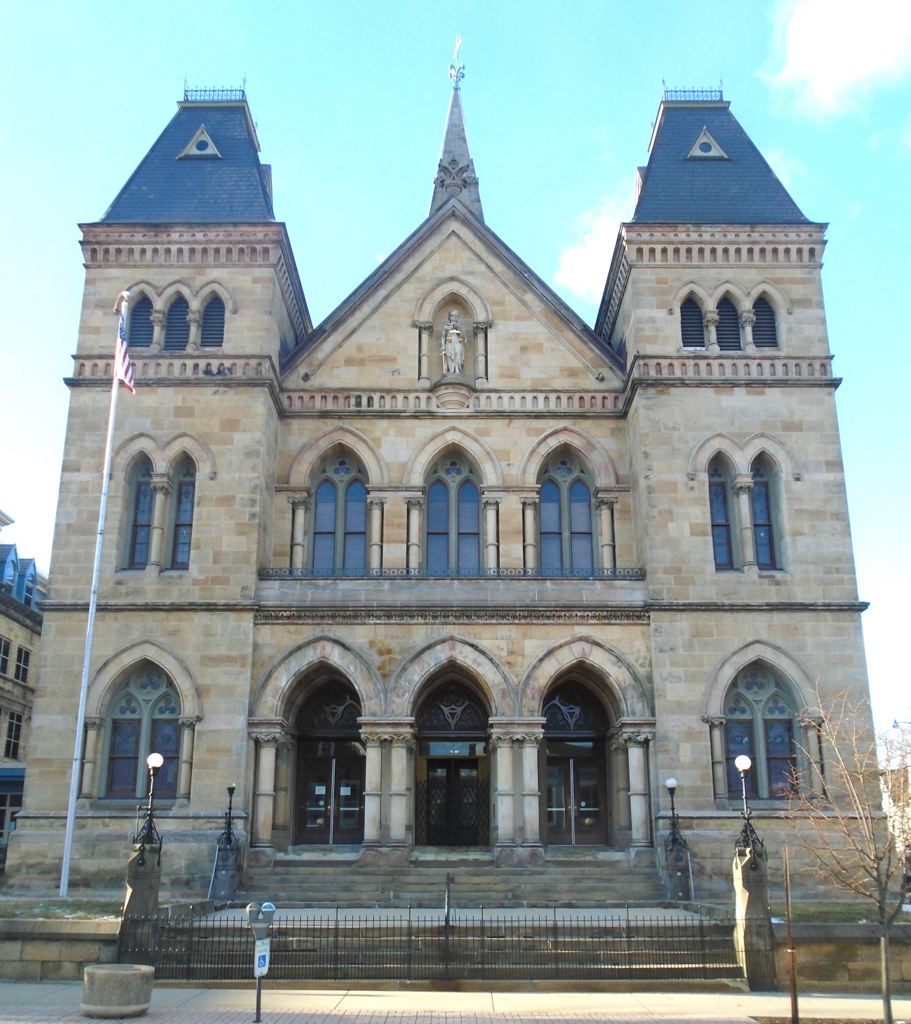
(49, 950)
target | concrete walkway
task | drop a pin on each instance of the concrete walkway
(50, 1003)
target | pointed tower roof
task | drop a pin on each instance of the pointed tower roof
(455, 174)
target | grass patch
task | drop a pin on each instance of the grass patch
(73, 909)
(826, 912)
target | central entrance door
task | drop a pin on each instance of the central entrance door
(575, 735)
(452, 795)
(330, 770)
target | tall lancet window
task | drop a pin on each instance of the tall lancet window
(140, 514)
(340, 519)
(453, 518)
(566, 522)
(720, 510)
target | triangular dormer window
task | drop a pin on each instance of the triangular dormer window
(201, 145)
(706, 148)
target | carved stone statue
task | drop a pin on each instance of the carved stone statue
(452, 345)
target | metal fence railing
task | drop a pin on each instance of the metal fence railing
(480, 946)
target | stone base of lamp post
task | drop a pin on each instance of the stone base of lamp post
(229, 869)
(143, 883)
(753, 936)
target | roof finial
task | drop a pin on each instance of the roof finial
(456, 70)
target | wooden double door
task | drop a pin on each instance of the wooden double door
(330, 792)
(576, 794)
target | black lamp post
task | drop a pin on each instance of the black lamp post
(149, 835)
(228, 839)
(747, 840)
(676, 852)
(675, 840)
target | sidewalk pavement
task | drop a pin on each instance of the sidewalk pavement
(58, 1003)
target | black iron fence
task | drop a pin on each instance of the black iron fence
(478, 946)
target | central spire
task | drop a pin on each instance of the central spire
(455, 173)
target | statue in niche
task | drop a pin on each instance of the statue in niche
(452, 345)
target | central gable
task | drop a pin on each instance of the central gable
(452, 278)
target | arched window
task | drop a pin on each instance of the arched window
(765, 333)
(728, 330)
(184, 500)
(141, 329)
(142, 719)
(762, 507)
(140, 515)
(212, 333)
(567, 546)
(453, 519)
(340, 519)
(692, 324)
(177, 327)
(760, 715)
(720, 510)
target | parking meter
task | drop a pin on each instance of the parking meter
(260, 919)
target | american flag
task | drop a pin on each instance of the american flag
(122, 369)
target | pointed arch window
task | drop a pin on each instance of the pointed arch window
(340, 520)
(762, 509)
(177, 326)
(184, 500)
(143, 718)
(453, 523)
(566, 521)
(760, 716)
(765, 331)
(212, 332)
(692, 324)
(140, 515)
(720, 511)
(141, 328)
(728, 330)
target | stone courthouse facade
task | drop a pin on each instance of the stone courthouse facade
(452, 568)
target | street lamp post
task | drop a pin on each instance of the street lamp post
(677, 853)
(748, 839)
(149, 835)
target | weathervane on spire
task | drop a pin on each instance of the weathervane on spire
(456, 70)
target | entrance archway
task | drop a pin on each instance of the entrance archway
(452, 794)
(575, 736)
(330, 769)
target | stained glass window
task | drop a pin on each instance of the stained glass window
(183, 517)
(719, 507)
(141, 531)
(340, 519)
(763, 529)
(565, 519)
(453, 518)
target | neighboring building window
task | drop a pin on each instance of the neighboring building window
(760, 723)
(141, 516)
(453, 518)
(720, 509)
(761, 501)
(13, 735)
(184, 498)
(177, 327)
(212, 333)
(23, 657)
(765, 333)
(29, 595)
(10, 804)
(4, 656)
(728, 330)
(141, 328)
(143, 719)
(340, 519)
(10, 573)
(692, 324)
(566, 518)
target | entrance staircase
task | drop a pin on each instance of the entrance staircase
(321, 877)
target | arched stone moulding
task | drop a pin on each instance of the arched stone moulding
(306, 460)
(106, 678)
(454, 437)
(590, 451)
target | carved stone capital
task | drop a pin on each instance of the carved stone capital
(94, 724)
(635, 739)
(711, 318)
(714, 720)
(157, 317)
(374, 503)
(300, 501)
(268, 732)
(605, 501)
(188, 721)
(490, 503)
(194, 316)
(810, 722)
(748, 317)
(160, 484)
(742, 483)
(531, 503)
(426, 328)
(417, 503)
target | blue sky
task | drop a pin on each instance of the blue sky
(559, 99)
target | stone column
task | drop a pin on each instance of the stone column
(187, 738)
(636, 746)
(415, 508)
(480, 346)
(530, 531)
(491, 533)
(375, 509)
(743, 489)
(402, 745)
(300, 506)
(158, 320)
(373, 786)
(425, 337)
(605, 507)
(710, 319)
(812, 746)
(90, 758)
(719, 767)
(620, 765)
(161, 489)
(505, 794)
(194, 319)
(754, 940)
(747, 319)
(531, 791)
(264, 811)
(282, 818)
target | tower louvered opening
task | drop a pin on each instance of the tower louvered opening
(141, 329)
(692, 327)
(728, 330)
(213, 323)
(765, 331)
(177, 328)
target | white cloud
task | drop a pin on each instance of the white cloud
(584, 265)
(788, 168)
(831, 51)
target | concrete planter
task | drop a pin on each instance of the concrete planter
(117, 990)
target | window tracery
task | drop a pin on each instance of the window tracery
(453, 517)
(565, 518)
(340, 518)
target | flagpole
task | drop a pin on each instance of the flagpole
(122, 301)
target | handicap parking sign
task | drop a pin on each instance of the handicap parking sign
(261, 958)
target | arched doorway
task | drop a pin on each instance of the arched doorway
(452, 797)
(330, 769)
(575, 735)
